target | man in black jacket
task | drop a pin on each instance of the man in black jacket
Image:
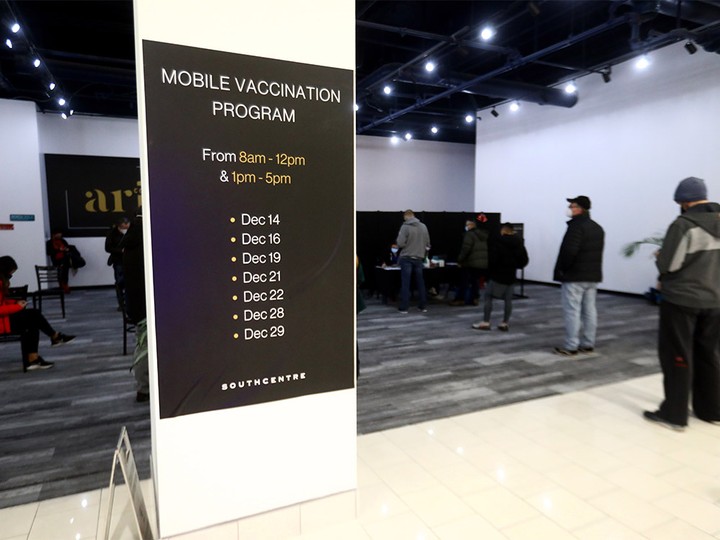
(134, 272)
(579, 269)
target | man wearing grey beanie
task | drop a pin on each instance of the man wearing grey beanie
(689, 335)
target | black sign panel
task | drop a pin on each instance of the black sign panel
(87, 194)
(251, 205)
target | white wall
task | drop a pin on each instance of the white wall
(421, 175)
(626, 145)
(20, 190)
(87, 136)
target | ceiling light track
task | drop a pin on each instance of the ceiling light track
(511, 65)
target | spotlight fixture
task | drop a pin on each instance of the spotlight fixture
(429, 66)
(61, 101)
(36, 62)
(434, 130)
(356, 107)
(642, 62)
(64, 116)
(690, 47)
(8, 43)
(51, 86)
(494, 112)
(394, 139)
(15, 28)
(408, 136)
(514, 106)
(606, 75)
(387, 90)
(469, 118)
(487, 33)
(570, 88)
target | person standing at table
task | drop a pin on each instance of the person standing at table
(689, 336)
(473, 262)
(414, 243)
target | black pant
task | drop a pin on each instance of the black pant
(469, 287)
(689, 351)
(29, 323)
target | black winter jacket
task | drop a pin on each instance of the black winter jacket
(507, 254)
(581, 251)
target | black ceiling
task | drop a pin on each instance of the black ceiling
(88, 48)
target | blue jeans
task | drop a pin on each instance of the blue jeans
(580, 313)
(408, 267)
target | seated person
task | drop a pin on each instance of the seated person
(17, 318)
(392, 257)
(58, 250)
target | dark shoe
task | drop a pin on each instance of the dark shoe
(142, 397)
(713, 421)
(586, 349)
(655, 417)
(503, 327)
(39, 364)
(403, 311)
(61, 339)
(422, 309)
(564, 352)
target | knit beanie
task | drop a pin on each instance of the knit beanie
(690, 190)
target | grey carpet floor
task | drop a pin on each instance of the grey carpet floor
(59, 428)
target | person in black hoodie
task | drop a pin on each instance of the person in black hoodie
(507, 253)
(134, 273)
(579, 269)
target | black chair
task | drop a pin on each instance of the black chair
(48, 283)
(128, 325)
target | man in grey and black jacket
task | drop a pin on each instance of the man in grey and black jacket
(689, 336)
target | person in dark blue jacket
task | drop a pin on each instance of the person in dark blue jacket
(579, 269)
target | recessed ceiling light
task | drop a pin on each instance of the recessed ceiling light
(487, 33)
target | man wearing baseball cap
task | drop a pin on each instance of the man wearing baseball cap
(689, 335)
(579, 269)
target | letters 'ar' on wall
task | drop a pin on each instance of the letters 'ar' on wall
(87, 194)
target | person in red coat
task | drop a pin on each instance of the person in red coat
(17, 318)
(58, 250)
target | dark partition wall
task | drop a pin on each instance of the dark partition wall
(377, 230)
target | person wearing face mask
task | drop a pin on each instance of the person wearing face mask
(113, 246)
(689, 334)
(579, 270)
(58, 250)
(393, 256)
(17, 318)
(473, 262)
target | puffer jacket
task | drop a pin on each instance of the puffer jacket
(474, 250)
(689, 260)
(581, 251)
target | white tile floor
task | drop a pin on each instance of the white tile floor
(579, 466)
